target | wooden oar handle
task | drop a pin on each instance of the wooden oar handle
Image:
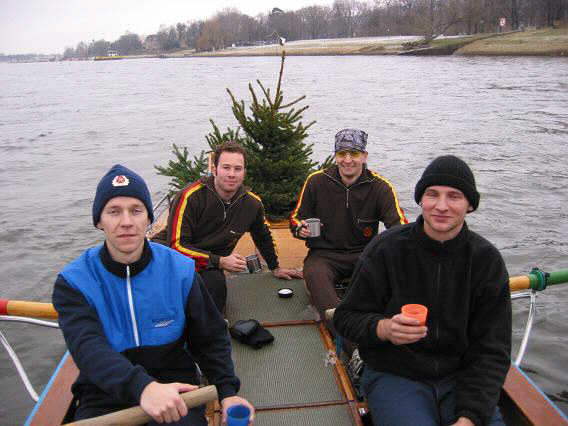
(21, 308)
(522, 282)
(137, 416)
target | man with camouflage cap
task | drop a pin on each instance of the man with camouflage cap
(350, 201)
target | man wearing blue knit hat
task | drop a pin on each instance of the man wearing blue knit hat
(130, 310)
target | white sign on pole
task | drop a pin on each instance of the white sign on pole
(502, 22)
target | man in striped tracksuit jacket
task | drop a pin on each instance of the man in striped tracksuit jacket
(350, 201)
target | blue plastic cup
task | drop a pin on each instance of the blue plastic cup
(238, 415)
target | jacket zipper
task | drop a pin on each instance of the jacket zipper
(131, 306)
(437, 334)
(346, 188)
(223, 203)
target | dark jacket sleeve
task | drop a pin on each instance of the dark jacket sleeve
(305, 207)
(208, 340)
(357, 316)
(488, 358)
(390, 212)
(263, 239)
(94, 356)
(182, 219)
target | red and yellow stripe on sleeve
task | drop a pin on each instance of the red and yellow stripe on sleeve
(403, 219)
(201, 259)
(294, 221)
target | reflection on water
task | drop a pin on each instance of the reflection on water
(64, 124)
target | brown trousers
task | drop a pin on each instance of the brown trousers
(322, 269)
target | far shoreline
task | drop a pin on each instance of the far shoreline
(552, 42)
(544, 42)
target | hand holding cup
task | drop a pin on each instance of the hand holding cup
(416, 311)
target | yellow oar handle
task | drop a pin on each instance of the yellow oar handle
(21, 308)
(521, 282)
(137, 416)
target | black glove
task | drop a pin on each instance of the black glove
(251, 333)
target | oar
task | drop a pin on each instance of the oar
(137, 416)
(538, 280)
(20, 308)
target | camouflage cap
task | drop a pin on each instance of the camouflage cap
(351, 139)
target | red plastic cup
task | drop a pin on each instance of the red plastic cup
(413, 310)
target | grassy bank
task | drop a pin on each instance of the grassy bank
(542, 42)
(531, 42)
(546, 42)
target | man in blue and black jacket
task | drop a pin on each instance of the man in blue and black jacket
(136, 317)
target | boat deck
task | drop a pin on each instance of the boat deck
(288, 381)
(291, 251)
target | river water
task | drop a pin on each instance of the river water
(64, 124)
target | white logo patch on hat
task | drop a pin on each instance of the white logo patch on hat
(120, 180)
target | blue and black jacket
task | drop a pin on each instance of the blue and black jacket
(129, 325)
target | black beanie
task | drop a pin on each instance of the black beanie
(448, 170)
(121, 182)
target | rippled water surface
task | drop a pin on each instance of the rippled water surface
(62, 125)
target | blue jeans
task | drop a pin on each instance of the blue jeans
(397, 401)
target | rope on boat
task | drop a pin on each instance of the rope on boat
(19, 367)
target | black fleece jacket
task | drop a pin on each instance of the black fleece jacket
(464, 284)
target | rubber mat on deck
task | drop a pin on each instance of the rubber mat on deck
(255, 296)
(336, 415)
(291, 370)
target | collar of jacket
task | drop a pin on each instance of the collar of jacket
(438, 248)
(209, 182)
(333, 173)
(119, 269)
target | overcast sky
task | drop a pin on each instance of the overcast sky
(48, 26)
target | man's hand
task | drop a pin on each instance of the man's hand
(162, 401)
(401, 330)
(236, 400)
(287, 274)
(463, 421)
(303, 231)
(233, 263)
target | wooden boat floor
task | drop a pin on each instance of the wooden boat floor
(288, 380)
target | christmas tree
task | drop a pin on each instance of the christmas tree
(278, 158)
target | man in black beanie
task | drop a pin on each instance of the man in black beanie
(450, 370)
(136, 316)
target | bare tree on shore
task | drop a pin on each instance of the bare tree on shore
(345, 18)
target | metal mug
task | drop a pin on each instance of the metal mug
(253, 263)
(314, 226)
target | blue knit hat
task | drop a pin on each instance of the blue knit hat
(121, 182)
